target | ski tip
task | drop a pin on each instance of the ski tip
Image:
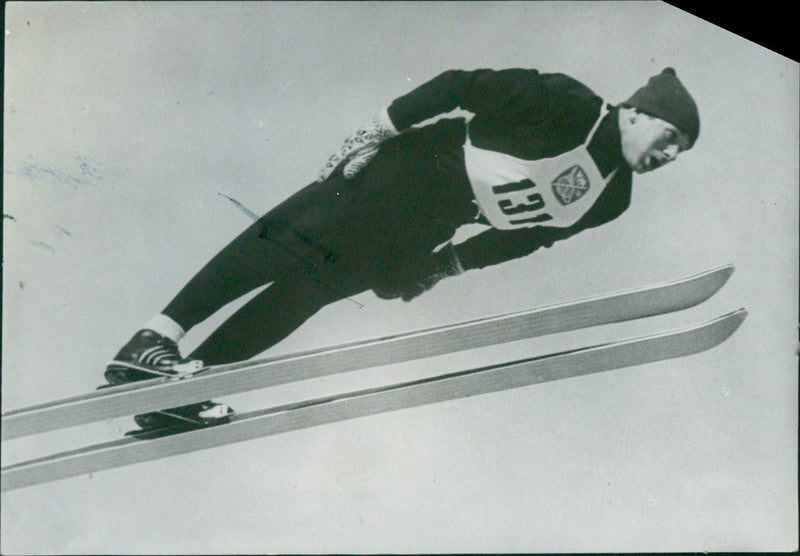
(729, 323)
(722, 273)
(728, 269)
(700, 287)
(737, 316)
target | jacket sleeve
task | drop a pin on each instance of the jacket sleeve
(478, 91)
(494, 246)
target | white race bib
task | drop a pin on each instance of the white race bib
(516, 193)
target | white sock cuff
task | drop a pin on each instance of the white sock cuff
(166, 327)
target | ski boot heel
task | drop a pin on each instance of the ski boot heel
(117, 374)
(153, 421)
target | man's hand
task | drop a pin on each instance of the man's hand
(361, 147)
(439, 265)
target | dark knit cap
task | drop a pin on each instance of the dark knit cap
(665, 97)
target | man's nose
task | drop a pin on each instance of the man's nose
(671, 152)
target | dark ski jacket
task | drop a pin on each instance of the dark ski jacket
(528, 115)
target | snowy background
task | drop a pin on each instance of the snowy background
(123, 122)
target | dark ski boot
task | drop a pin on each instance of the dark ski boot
(195, 415)
(150, 355)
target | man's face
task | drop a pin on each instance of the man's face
(649, 143)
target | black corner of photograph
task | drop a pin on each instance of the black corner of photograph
(770, 25)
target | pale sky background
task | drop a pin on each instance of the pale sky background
(124, 121)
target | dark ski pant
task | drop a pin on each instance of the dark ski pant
(330, 241)
(290, 252)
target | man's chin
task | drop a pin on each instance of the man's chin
(644, 166)
(639, 166)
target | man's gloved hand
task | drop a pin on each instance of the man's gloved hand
(361, 147)
(439, 265)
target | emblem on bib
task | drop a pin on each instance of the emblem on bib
(571, 185)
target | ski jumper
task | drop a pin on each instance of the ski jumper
(539, 161)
